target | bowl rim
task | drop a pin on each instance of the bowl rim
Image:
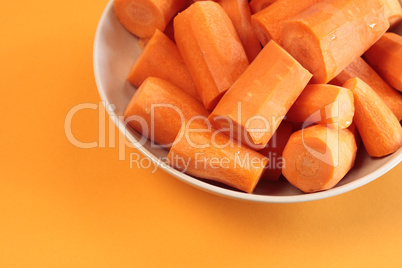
(303, 197)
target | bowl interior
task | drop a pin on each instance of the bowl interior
(115, 50)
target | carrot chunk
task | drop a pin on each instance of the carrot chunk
(258, 5)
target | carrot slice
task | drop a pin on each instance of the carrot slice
(385, 56)
(393, 11)
(201, 151)
(211, 49)
(359, 68)
(268, 22)
(239, 12)
(258, 5)
(323, 104)
(317, 158)
(255, 105)
(328, 36)
(158, 109)
(378, 127)
(143, 17)
(273, 151)
(161, 49)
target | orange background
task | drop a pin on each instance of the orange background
(62, 206)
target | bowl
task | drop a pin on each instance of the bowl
(115, 50)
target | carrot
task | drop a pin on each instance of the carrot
(255, 105)
(206, 153)
(258, 5)
(393, 11)
(353, 128)
(239, 12)
(273, 151)
(378, 127)
(143, 17)
(328, 36)
(359, 68)
(317, 158)
(211, 49)
(385, 56)
(323, 104)
(160, 49)
(158, 109)
(268, 22)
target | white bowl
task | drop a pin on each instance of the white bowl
(115, 50)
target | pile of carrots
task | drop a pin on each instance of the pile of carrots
(239, 90)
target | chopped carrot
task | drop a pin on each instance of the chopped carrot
(393, 11)
(255, 105)
(160, 49)
(323, 104)
(211, 49)
(353, 128)
(268, 22)
(143, 17)
(378, 127)
(258, 5)
(158, 109)
(359, 68)
(317, 158)
(203, 152)
(328, 36)
(239, 12)
(385, 56)
(273, 151)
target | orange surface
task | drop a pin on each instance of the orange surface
(61, 206)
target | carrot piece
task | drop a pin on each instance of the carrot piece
(268, 22)
(317, 158)
(211, 49)
(359, 68)
(258, 5)
(328, 36)
(255, 105)
(385, 56)
(273, 151)
(378, 127)
(158, 109)
(353, 128)
(393, 11)
(201, 151)
(161, 49)
(323, 104)
(239, 12)
(143, 17)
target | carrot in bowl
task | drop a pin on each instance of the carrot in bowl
(158, 109)
(329, 35)
(211, 49)
(385, 56)
(317, 158)
(143, 17)
(258, 5)
(379, 129)
(161, 58)
(393, 11)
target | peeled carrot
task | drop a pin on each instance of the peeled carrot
(143, 17)
(385, 56)
(323, 104)
(255, 105)
(161, 50)
(273, 151)
(328, 36)
(393, 11)
(158, 109)
(211, 49)
(359, 68)
(353, 128)
(258, 5)
(317, 158)
(239, 12)
(203, 152)
(268, 22)
(378, 127)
